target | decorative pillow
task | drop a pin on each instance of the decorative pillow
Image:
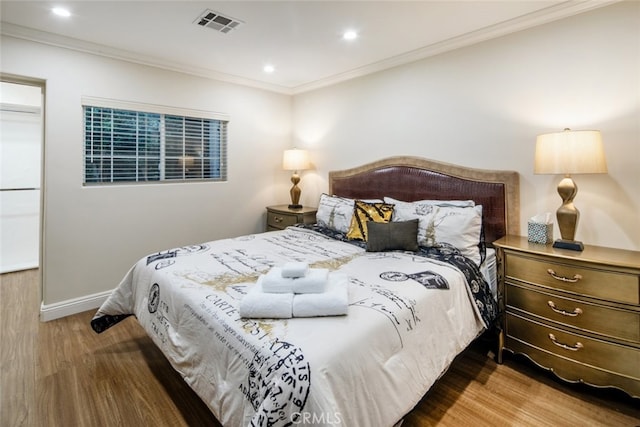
(335, 212)
(402, 235)
(364, 212)
(425, 213)
(458, 223)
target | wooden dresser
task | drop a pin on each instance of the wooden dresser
(574, 313)
(281, 216)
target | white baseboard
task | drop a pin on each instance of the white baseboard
(73, 306)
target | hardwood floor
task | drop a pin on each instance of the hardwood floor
(61, 373)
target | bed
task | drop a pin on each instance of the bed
(410, 312)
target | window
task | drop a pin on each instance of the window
(125, 145)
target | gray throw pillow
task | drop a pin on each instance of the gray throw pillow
(399, 235)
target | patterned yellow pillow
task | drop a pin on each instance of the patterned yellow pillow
(364, 212)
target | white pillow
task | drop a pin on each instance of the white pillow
(458, 203)
(458, 223)
(460, 227)
(335, 212)
(424, 213)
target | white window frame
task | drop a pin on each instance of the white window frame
(163, 111)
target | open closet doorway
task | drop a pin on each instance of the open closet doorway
(21, 143)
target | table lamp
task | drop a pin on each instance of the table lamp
(569, 152)
(295, 160)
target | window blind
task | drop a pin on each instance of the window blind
(127, 146)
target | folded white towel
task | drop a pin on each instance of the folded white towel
(259, 304)
(295, 269)
(333, 302)
(314, 282)
(274, 282)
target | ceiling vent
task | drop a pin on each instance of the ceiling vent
(217, 21)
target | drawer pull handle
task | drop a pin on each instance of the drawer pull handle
(278, 218)
(576, 311)
(576, 347)
(573, 279)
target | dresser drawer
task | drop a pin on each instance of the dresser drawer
(573, 371)
(279, 220)
(602, 284)
(608, 356)
(613, 322)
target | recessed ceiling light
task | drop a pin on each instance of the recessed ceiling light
(269, 68)
(350, 35)
(61, 11)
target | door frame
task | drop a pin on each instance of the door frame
(41, 83)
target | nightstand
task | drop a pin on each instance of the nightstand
(574, 313)
(280, 217)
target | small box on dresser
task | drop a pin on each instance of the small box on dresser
(281, 216)
(574, 313)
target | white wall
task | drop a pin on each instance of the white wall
(92, 235)
(483, 106)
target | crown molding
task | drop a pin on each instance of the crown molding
(51, 39)
(543, 16)
(540, 17)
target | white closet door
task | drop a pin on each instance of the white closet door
(19, 230)
(20, 154)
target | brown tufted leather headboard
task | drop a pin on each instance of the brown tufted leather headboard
(415, 178)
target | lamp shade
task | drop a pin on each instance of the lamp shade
(295, 160)
(570, 152)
